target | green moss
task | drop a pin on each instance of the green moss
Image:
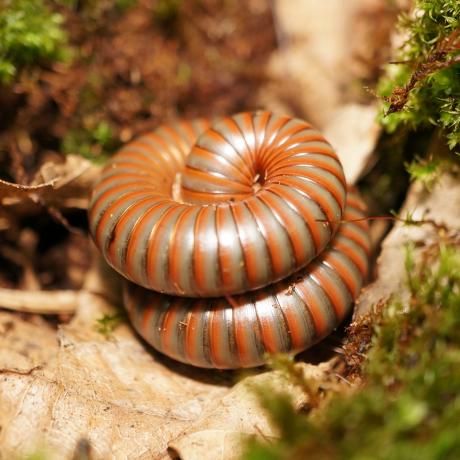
(423, 89)
(409, 404)
(108, 323)
(30, 35)
(427, 171)
(94, 142)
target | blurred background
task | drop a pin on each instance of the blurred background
(83, 76)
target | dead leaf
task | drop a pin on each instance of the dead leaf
(107, 391)
(65, 185)
(420, 204)
(220, 432)
(73, 181)
(25, 343)
(353, 131)
(311, 75)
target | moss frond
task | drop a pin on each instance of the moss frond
(423, 87)
(30, 35)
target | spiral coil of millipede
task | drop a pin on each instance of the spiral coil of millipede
(263, 251)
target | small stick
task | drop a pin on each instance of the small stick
(40, 302)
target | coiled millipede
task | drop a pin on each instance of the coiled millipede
(252, 258)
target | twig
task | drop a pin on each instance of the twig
(266, 438)
(40, 302)
(394, 218)
(57, 215)
(343, 379)
(20, 371)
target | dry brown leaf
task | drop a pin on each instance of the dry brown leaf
(220, 433)
(65, 185)
(113, 392)
(25, 343)
(311, 56)
(440, 206)
(353, 131)
(72, 181)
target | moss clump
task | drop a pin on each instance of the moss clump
(423, 87)
(30, 34)
(426, 171)
(409, 405)
(107, 324)
(95, 142)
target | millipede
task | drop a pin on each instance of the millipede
(262, 248)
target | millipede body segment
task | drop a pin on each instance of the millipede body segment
(251, 257)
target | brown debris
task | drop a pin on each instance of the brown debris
(437, 60)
